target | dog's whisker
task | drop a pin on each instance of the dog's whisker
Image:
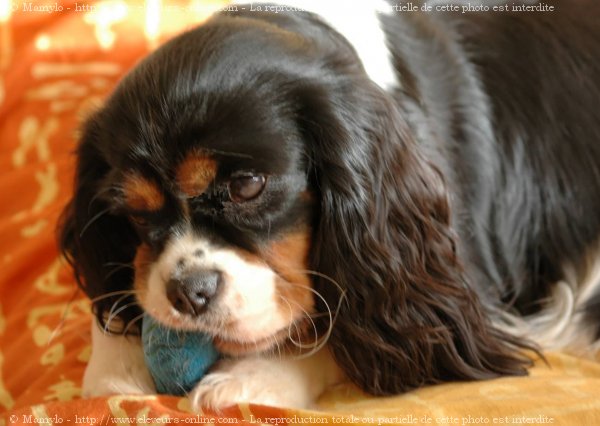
(113, 315)
(314, 346)
(111, 294)
(229, 153)
(342, 296)
(132, 322)
(116, 303)
(118, 264)
(328, 279)
(63, 319)
(98, 194)
(92, 220)
(292, 322)
(332, 316)
(298, 343)
(114, 271)
(279, 350)
(322, 298)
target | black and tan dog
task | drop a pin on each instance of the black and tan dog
(398, 199)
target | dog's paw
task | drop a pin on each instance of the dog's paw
(255, 380)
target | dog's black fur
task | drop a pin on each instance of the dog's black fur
(456, 197)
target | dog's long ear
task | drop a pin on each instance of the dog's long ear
(98, 244)
(407, 316)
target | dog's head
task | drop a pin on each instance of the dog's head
(249, 180)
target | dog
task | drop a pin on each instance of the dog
(394, 199)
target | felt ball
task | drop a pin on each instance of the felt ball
(177, 359)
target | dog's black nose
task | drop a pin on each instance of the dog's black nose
(192, 293)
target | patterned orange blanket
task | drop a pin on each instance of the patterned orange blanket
(57, 61)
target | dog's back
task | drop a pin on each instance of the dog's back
(509, 100)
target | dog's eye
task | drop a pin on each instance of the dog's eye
(246, 188)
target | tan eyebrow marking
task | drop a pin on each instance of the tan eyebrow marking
(142, 194)
(196, 172)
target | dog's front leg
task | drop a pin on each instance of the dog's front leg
(116, 366)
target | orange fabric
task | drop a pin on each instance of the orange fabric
(53, 68)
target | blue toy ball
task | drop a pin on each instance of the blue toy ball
(177, 360)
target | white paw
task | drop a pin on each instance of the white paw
(254, 380)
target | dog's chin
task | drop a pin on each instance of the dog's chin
(227, 338)
(238, 347)
(296, 337)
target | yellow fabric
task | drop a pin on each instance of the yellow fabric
(567, 391)
(55, 67)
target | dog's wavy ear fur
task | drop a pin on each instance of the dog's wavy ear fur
(407, 316)
(98, 244)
